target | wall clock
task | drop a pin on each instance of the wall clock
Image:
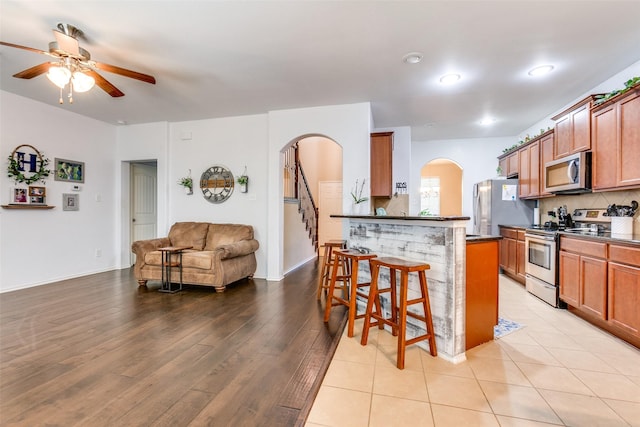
(216, 184)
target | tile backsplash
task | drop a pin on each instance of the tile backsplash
(591, 200)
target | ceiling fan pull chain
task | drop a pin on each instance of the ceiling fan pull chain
(61, 101)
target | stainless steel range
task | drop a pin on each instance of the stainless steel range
(542, 247)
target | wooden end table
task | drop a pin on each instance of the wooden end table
(168, 264)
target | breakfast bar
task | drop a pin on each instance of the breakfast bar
(438, 241)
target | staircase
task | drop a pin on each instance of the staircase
(296, 187)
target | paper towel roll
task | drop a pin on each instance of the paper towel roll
(621, 225)
(536, 216)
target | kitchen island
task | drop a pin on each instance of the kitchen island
(438, 241)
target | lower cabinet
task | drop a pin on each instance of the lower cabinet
(601, 282)
(624, 288)
(481, 310)
(512, 256)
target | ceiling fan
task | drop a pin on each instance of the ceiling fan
(73, 65)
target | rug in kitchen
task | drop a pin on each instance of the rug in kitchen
(505, 327)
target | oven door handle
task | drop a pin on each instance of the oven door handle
(538, 237)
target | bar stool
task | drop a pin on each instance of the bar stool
(398, 319)
(348, 258)
(328, 263)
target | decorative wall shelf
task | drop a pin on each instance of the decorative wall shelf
(27, 206)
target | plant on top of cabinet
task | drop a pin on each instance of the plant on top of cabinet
(628, 85)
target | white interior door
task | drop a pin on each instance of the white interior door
(144, 219)
(329, 203)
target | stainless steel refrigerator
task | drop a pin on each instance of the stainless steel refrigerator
(496, 202)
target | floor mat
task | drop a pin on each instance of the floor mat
(505, 327)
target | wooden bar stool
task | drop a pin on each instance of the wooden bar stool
(348, 258)
(328, 263)
(398, 319)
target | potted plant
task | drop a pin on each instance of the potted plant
(358, 198)
(243, 180)
(187, 183)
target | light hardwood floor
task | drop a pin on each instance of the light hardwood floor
(99, 351)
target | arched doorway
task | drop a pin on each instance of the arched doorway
(441, 188)
(320, 159)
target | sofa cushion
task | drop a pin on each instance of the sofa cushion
(190, 259)
(223, 234)
(189, 234)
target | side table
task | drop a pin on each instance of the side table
(168, 264)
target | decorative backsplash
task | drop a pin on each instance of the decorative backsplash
(591, 200)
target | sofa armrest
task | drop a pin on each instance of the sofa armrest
(141, 247)
(232, 250)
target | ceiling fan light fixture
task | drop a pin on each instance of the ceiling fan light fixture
(59, 75)
(82, 82)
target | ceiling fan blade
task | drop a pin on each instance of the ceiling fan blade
(124, 72)
(67, 43)
(104, 84)
(32, 72)
(31, 49)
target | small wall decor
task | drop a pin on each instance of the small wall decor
(187, 183)
(27, 165)
(216, 184)
(18, 196)
(70, 202)
(37, 195)
(243, 180)
(69, 170)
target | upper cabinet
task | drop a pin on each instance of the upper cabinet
(533, 156)
(616, 142)
(381, 164)
(573, 128)
(509, 164)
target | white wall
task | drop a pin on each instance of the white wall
(478, 159)
(41, 246)
(233, 142)
(348, 125)
(297, 246)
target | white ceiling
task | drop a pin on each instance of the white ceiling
(227, 58)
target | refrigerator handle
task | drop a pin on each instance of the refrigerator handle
(476, 208)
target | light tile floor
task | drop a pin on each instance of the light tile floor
(557, 370)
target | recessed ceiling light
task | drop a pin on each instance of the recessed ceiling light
(487, 121)
(122, 122)
(541, 70)
(412, 58)
(448, 79)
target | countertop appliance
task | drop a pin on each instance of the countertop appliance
(569, 175)
(495, 201)
(542, 246)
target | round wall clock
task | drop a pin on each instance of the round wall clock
(216, 184)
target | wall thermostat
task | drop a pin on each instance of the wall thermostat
(75, 188)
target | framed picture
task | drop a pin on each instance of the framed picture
(18, 196)
(37, 195)
(70, 202)
(69, 170)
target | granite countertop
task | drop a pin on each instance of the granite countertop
(519, 227)
(477, 238)
(405, 218)
(633, 239)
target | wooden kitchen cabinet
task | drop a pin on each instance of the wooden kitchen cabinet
(624, 288)
(382, 164)
(616, 148)
(546, 155)
(573, 128)
(510, 164)
(512, 256)
(529, 171)
(481, 309)
(583, 275)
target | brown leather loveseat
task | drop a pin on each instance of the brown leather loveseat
(220, 254)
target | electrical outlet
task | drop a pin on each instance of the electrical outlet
(98, 253)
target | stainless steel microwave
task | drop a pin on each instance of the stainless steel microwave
(569, 175)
